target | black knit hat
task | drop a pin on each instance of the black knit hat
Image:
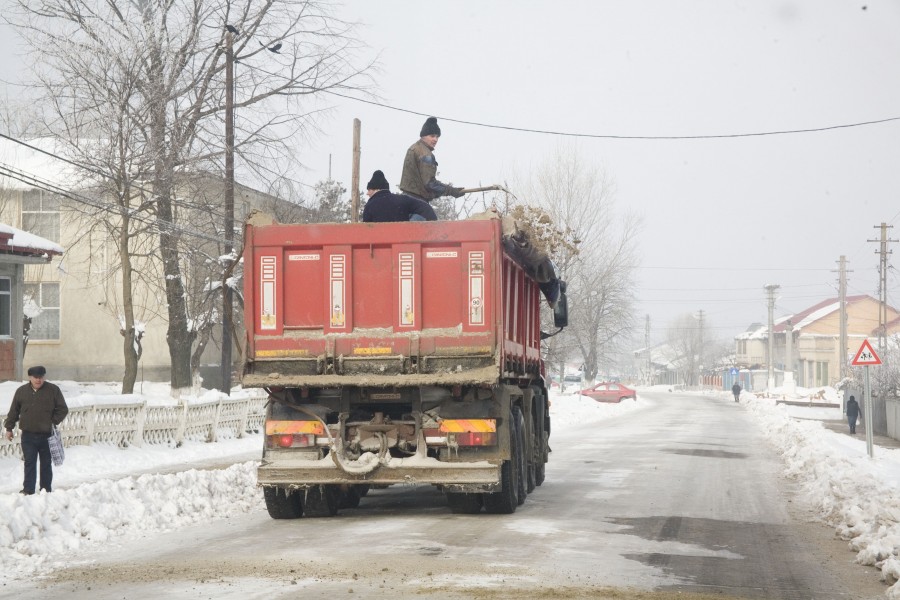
(37, 371)
(430, 127)
(378, 182)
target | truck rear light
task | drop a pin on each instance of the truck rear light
(291, 440)
(475, 438)
(468, 425)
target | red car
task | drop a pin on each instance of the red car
(609, 391)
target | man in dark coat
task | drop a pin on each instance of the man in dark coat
(384, 207)
(852, 414)
(736, 390)
(419, 176)
(37, 406)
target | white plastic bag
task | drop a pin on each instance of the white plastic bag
(57, 450)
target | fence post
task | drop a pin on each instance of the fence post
(140, 419)
(182, 422)
(89, 424)
(214, 426)
(242, 424)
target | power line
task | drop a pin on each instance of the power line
(154, 224)
(620, 137)
(592, 135)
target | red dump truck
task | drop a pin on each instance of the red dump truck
(396, 353)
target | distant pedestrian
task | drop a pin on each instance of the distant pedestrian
(852, 414)
(736, 390)
(40, 406)
(419, 176)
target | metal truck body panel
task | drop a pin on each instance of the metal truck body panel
(393, 353)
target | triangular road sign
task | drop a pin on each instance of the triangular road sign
(865, 356)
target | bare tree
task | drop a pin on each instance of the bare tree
(166, 61)
(600, 259)
(683, 336)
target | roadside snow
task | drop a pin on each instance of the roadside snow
(99, 497)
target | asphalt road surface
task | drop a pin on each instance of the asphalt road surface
(682, 498)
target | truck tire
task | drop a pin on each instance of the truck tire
(506, 500)
(350, 497)
(522, 464)
(539, 454)
(282, 504)
(464, 504)
(322, 501)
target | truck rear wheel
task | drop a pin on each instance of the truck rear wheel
(464, 504)
(522, 463)
(322, 501)
(281, 503)
(351, 496)
(506, 500)
(539, 440)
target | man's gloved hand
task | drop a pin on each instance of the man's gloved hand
(457, 192)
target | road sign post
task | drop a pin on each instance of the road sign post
(866, 357)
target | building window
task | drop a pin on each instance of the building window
(5, 307)
(44, 326)
(40, 214)
(821, 373)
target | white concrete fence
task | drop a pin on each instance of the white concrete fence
(135, 424)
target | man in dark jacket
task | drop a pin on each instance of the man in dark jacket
(384, 207)
(736, 390)
(419, 176)
(37, 406)
(852, 414)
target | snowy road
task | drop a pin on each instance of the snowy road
(681, 496)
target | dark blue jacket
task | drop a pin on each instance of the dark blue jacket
(385, 207)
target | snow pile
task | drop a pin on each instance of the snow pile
(40, 531)
(857, 495)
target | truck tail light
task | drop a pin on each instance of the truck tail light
(291, 440)
(475, 438)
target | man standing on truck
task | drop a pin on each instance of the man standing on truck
(385, 207)
(419, 177)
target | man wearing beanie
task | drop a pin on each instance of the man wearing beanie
(420, 167)
(384, 207)
(41, 406)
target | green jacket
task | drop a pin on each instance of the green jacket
(419, 174)
(37, 410)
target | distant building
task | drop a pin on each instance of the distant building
(816, 355)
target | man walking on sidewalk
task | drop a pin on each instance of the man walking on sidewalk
(40, 406)
(852, 414)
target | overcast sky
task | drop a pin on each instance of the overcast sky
(722, 217)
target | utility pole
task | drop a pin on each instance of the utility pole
(882, 288)
(354, 176)
(770, 290)
(227, 300)
(700, 349)
(842, 299)
(647, 346)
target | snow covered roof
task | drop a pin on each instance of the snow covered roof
(21, 243)
(801, 319)
(19, 164)
(756, 331)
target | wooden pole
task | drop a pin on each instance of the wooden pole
(227, 300)
(354, 179)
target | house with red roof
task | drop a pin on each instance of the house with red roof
(815, 349)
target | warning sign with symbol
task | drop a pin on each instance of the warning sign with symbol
(865, 356)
